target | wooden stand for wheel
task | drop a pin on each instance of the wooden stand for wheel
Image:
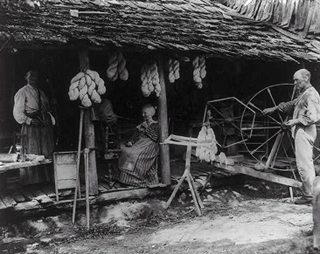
(188, 142)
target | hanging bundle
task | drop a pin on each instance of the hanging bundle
(208, 151)
(199, 70)
(174, 70)
(117, 67)
(150, 80)
(87, 86)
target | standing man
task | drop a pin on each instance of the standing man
(306, 112)
(31, 107)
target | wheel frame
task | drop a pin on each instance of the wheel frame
(278, 136)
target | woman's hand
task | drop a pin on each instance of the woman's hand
(144, 125)
(129, 144)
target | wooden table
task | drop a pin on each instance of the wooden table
(16, 165)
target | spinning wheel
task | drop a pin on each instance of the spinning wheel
(224, 116)
(269, 140)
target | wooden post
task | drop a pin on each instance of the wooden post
(89, 135)
(163, 120)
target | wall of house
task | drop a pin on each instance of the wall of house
(186, 103)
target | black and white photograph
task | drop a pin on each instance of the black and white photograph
(159, 126)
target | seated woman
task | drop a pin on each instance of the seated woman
(137, 162)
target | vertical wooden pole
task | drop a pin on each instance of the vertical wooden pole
(87, 180)
(163, 120)
(89, 135)
(77, 188)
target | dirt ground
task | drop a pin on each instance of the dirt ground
(254, 217)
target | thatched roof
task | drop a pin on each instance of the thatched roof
(299, 16)
(179, 26)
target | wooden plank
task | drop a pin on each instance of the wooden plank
(49, 191)
(222, 173)
(106, 186)
(26, 206)
(27, 194)
(12, 181)
(262, 175)
(214, 171)
(122, 189)
(126, 194)
(17, 197)
(217, 175)
(41, 197)
(199, 170)
(15, 165)
(102, 189)
(2, 205)
(67, 201)
(9, 201)
(8, 157)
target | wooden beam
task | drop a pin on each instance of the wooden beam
(127, 194)
(89, 134)
(163, 120)
(261, 175)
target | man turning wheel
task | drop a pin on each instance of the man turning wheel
(306, 112)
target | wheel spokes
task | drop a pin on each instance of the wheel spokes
(318, 156)
(265, 142)
(261, 128)
(260, 110)
(274, 103)
(268, 133)
(223, 117)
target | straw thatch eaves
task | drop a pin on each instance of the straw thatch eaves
(176, 26)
